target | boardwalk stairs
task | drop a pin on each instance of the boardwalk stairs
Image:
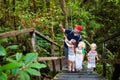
(85, 74)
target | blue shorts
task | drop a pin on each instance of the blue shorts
(66, 52)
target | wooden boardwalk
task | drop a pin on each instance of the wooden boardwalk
(83, 75)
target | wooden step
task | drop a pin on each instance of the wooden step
(83, 75)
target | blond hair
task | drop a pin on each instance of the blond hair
(82, 44)
(93, 45)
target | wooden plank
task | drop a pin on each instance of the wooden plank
(46, 38)
(15, 33)
(49, 58)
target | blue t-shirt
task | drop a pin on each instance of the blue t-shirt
(70, 35)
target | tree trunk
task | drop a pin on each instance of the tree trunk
(34, 6)
(14, 20)
(5, 19)
(63, 7)
(48, 5)
(14, 16)
(6, 15)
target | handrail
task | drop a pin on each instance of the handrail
(46, 38)
(87, 42)
(17, 32)
(110, 37)
(49, 58)
(33, 34)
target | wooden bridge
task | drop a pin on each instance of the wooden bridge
(78, 76)
(63, 73)
(85, 74)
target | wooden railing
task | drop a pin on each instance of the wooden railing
(52, 58)
(104, 60)
(33, 33)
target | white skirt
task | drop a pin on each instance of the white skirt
(71, 57)
(91, 65)
(78, 61)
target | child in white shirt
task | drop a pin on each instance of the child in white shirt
(80, 52)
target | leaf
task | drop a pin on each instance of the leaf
(18, 56)
(3, 40)
(37, 65)
(13, 47)
(10, 60)
(10, 66)
(24, 76)
(15, 71)
(2, 51)
(30, 57)
(3, 76)
(33, 72)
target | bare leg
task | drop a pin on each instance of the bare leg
(73, 66)
(69, 67)
(67, 61)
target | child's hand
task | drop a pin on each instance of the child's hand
(80, 51)
(97, 59)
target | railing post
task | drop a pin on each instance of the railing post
(53, 62)
(33, 41)
(34, 49)
(60, 59)
(104, 57)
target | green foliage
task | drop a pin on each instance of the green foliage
(2, 51)
(99, 69)
(30, 57)
(20, 65)
(42, 46)
(37, 65)
(10, 66)
(3, 40)
(12, 47)
(3, 76)
(18, 56)
(24, 75)
(116, 1)
(33, 72)
(80, 15)
(98, 18)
